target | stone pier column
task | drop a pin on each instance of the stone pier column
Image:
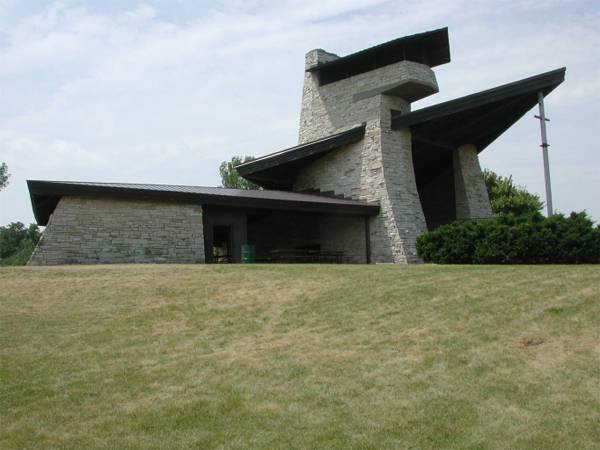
(401, 212)
(472, 201)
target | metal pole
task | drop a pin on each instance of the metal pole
(545, 145)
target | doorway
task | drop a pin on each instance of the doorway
(221, 247)
(224, 234)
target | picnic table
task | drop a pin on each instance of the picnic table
(306, 256)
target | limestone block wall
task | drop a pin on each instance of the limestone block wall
(335, 106)
(339, 171)
(472, 200)
(378, 168)
(402, 215)
(88, 230)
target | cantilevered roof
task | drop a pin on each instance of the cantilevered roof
(276, 170)
(478, 118)
(46, 194)
(431, 48)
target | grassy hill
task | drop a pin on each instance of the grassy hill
(300, 357)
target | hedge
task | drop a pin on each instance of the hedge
(510, 240)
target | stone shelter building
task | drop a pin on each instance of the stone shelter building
(368, 175)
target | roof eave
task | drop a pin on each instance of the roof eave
(440, 33)
(299, 152)
(40, 190)
(545, 82)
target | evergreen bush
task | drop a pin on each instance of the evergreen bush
(507, 239)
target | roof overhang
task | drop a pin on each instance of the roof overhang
(477, 119)
(431, 48)
(46, 194)
(277, 170)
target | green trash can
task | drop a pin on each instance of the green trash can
(248, 254)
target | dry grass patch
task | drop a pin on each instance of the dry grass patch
(300, 357)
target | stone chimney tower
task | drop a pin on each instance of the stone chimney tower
(369, 87)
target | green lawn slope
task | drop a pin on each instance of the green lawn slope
(300, 357)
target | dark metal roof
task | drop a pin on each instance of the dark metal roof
(46, 194)
(276, 169)
(477, 119)
(431, 48)
(474, 119)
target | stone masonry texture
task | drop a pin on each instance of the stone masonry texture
(88, 230)
(344, 103)
(472, 200)
(378, 168)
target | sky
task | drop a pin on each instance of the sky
(163, 91)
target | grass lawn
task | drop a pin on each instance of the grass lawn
(149, 356)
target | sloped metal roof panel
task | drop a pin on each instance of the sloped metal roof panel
(45, 195)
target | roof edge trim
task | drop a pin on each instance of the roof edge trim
(354, 134)
(45, 195)
(389, 44)
(547, 80)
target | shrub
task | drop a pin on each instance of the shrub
(512, 240)
(453, 243)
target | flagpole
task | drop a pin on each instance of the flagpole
(545, 145)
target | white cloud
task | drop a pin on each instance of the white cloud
(140, 93)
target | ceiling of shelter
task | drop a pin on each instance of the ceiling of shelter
(477, 119)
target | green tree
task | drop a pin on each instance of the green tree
(230, 178)
(17, 243)
(4, 175)
(507, 198)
